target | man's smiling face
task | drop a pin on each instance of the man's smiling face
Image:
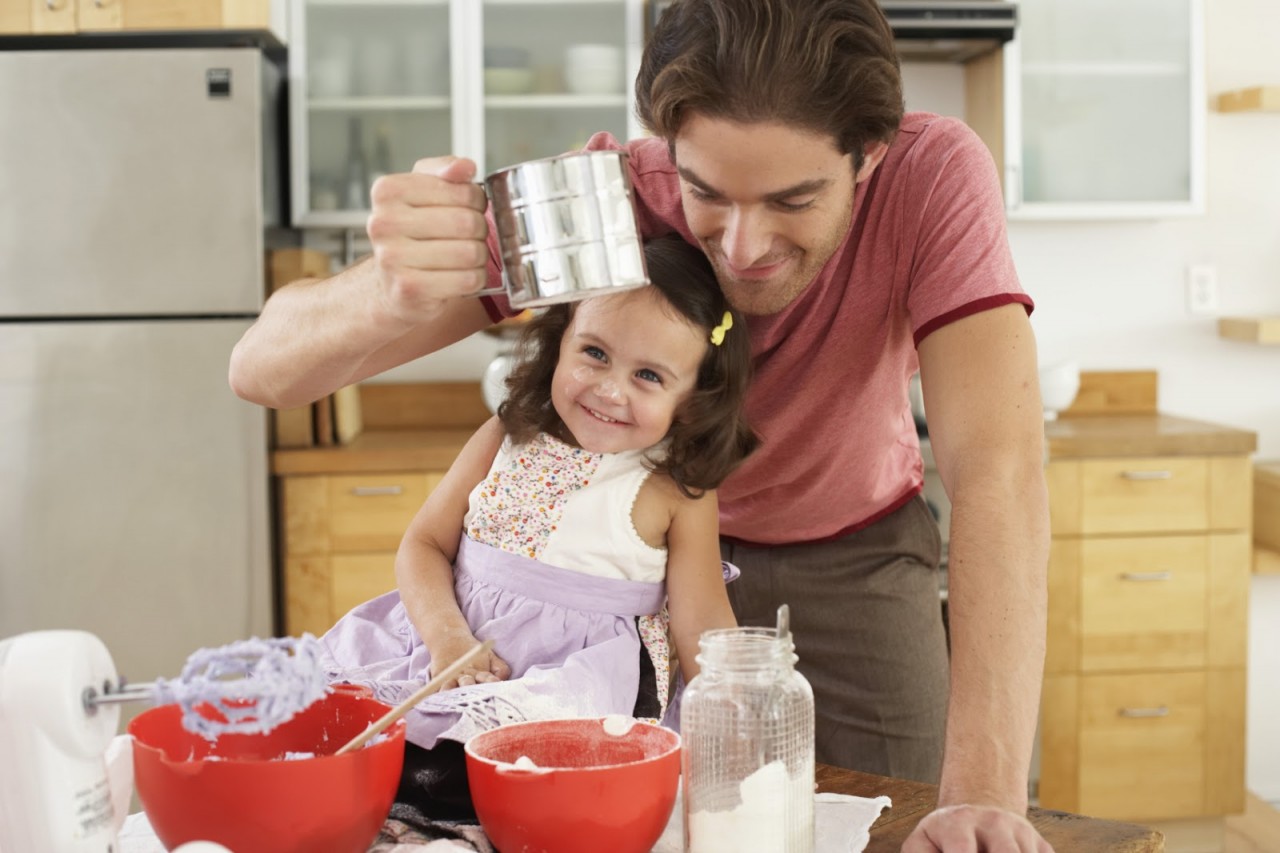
(768, 204)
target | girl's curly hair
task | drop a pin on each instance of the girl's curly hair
(709, 437)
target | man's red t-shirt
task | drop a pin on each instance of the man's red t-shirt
(926, 246)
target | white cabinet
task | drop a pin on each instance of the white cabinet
(377, 84)
(1105, 110)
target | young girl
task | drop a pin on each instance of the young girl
(575, 521)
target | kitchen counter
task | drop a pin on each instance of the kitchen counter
(913, 800)
(377, 451)
(1142, 435)
(1066, 438)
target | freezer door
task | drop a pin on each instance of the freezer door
(131, 184)
(133, 489)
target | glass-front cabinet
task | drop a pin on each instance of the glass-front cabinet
(377, 84)
(1105, 109)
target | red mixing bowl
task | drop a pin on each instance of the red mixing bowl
(591, 791)
(239, 790)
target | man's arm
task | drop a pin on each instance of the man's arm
(411, 297)
(982, 395)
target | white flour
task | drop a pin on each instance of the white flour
(758, 823)
(617, 725)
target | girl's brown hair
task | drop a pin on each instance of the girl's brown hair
(709, 436)
(827, 66)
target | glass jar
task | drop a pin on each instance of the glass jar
(747, 725)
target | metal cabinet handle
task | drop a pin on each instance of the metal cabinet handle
(1145, 576)
(370, 491)
(1147, 475)
(1160, 711)
(50, 5)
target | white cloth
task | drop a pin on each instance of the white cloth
(842, 824)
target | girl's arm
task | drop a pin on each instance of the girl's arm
(424, 563)
(696, 597)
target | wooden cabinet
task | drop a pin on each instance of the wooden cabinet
(340, 535)
(45, 17)
(376, 85)
(343, 509)
(1142, 716)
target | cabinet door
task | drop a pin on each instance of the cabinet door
(376, 86)
(165, 14)
(1142, 745)
(15, 17)
(372, 91)
(554, 73)
(52, 16)
(100, 15)
(357, 578)
(1106, 118)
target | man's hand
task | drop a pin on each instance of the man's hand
(483, 669)
(975, 829)
(427, 229)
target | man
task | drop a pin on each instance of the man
(862, 244)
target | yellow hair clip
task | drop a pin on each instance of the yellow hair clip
(717, 334)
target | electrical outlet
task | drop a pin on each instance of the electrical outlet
(1202, 289)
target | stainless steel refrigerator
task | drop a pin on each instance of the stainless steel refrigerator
(136, 189)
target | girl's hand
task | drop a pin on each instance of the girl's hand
(485, 669)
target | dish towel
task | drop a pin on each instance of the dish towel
(842, 824)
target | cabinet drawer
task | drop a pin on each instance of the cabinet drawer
(1157, 494)
(1143, 602)
(372, 512)
(1142, 745)
(1150, 494)
(356, 578)
(1113, 607)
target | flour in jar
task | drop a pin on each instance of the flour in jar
(758, 824)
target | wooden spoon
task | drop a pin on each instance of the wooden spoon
(422, 693)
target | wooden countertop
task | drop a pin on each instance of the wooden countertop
(1067, 438)
(913, 800)
(377, 450)
(1142, 435)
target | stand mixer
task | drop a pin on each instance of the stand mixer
(55, 727)
(58, 717)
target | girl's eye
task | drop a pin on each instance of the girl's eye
(648, 375)
(594, 352)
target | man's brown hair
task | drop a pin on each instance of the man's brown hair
(826, 66)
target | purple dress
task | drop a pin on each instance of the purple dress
(580, 644)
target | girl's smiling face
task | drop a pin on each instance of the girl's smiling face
(626, 364)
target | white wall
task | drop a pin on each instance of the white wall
(1112, 295)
